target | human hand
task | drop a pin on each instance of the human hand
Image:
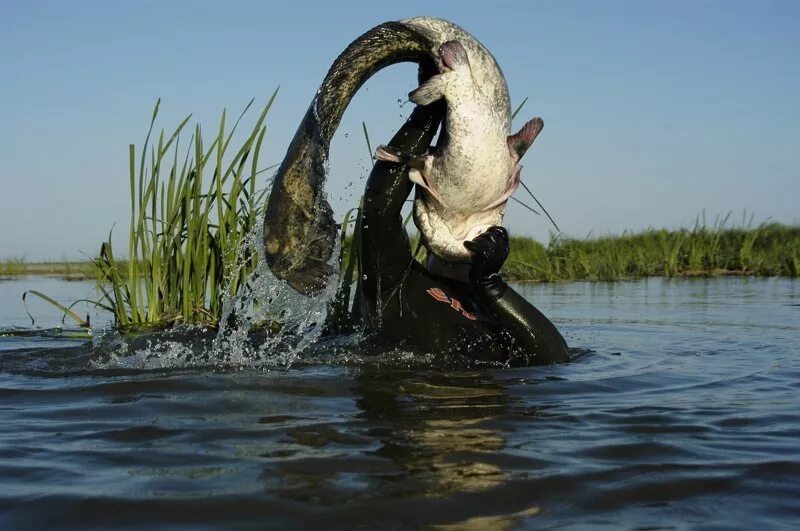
(489, 252)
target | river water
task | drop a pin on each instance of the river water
(681, 409)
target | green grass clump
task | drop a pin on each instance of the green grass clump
(769, 249)
(13, 267)
(190, 215)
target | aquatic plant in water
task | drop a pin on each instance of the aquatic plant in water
(190, 215)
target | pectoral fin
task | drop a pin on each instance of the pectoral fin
(390, 154)
(430, 91)
(519, 143)
(418, 177)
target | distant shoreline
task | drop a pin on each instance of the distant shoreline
(75, 271)
(768, 250)
(66, 270)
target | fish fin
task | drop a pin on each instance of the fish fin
(519, 142)
(390, 154)
(387, 154)
(430, 91)
(312, 279)
(417, 176)
(454, 55)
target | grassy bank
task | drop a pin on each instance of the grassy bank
(68, 270)
(766, 250)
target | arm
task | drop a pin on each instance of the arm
(529, 327)
(385, 249)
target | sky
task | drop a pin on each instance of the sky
(654, 111)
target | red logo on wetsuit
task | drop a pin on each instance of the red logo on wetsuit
(441, 296)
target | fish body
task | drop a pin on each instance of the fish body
(465, 183)
(299, 229)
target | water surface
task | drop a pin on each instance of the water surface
(685, 413)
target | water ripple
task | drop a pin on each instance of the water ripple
(678, 410)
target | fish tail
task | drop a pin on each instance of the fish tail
(299, 228)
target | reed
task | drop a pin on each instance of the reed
(768, 249)
(191, 212)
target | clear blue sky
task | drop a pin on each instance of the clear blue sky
(653, 110)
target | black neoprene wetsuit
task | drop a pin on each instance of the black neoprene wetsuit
(406, 305)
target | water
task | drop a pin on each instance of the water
(685, 414)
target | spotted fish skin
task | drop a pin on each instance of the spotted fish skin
(299, 229)
(467, 180)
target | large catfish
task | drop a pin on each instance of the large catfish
(464, 183)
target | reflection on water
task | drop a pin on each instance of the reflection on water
(434, 427)
(684, 413)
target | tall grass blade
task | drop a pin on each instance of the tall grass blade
(525, 186)
(66, 312)
(519, 108)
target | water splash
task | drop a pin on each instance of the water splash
(266, 324)
(286, 322)
(174, 349)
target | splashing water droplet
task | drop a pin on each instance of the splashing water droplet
(299, 319)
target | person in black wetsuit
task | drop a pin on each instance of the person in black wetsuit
(464, 309)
